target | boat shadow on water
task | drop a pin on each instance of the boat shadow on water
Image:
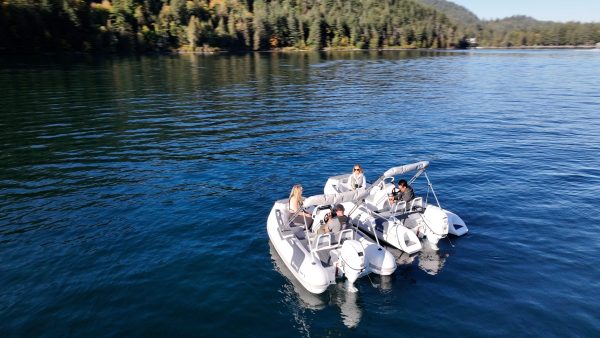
(337, 295)
(428, 260)
(295, 295)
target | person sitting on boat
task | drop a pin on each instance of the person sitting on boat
(295, 206)
(405, 192)
(335, 223)
(357, 178)
(393, 196)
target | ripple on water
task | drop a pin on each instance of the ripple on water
(135, 191)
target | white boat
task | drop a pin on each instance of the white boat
(351, 312)
(295, 290)
(399, 224)
(316, 260)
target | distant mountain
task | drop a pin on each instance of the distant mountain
(454, 12)
(520, 30)
(514, 31)
(519, 22)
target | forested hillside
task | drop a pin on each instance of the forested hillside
(453, 11)
(30, 26)
(517, 30)
(154, 25)
(526, 31)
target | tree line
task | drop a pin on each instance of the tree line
(517, 30)
(525, 31)
(155, 25)
(204, 25)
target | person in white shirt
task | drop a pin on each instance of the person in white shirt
(357, 178)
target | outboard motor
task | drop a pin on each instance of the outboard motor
(436, 226)
(352, 261)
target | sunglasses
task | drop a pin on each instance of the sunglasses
(356, 169)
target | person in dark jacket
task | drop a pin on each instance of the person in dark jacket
(406, 192)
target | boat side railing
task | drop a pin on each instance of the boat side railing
(331, 241)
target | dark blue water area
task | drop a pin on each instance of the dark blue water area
(135, 191)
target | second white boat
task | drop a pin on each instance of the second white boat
(399, 224)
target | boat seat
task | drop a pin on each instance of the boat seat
(299, 233)
(399, 207)
(416, 203)
(342, 185)
(379, 199)
(323, 241)
(344, 235)
(299, 221)
(283, 227)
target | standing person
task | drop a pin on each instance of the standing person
(406, 193)
(357, 178)
(295, 205)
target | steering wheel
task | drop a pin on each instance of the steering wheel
(319, 208)
(321, 214)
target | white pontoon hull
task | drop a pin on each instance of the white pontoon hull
(307, 266)
(304, 266)
(402, 230)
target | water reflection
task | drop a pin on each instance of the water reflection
(338, 295)
(294, 290)
(431, 261)
(347, 301)
(402, 258)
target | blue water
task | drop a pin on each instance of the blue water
(135, 191)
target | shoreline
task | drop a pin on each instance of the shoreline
(328, 50)
(292, 50)
(541, 47)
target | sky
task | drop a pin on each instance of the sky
(553, 10)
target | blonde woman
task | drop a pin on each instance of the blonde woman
(295, 204)
(357, 178)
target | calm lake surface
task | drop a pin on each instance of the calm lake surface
(135, 191)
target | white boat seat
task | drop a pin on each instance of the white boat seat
(323, 241)
(342, 185)
(336, 188)
(399, 207)
(344, 235)
(416, 202)
(379, 199)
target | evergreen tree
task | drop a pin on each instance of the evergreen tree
(315, 36)
(140, 25)
(193, 30)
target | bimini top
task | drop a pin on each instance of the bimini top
(406, 168)
(361, 193)
(347, 196)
